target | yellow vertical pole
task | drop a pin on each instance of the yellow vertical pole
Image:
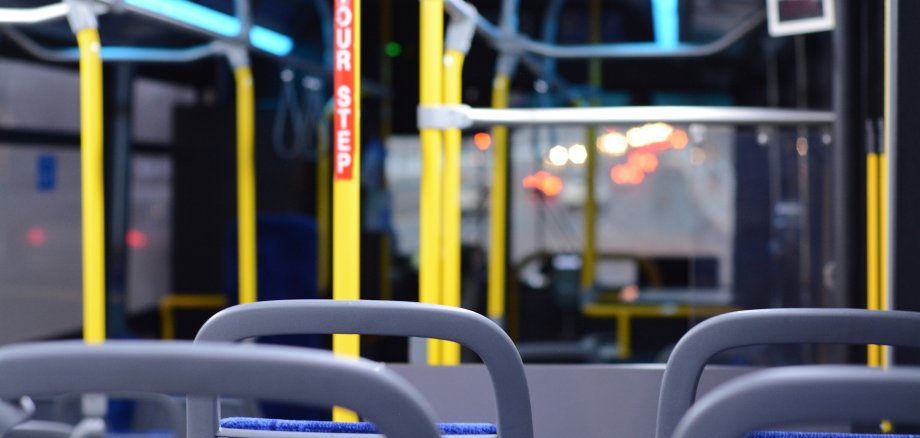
(872, 246)
(595, 79)
(589, 256)
(882, 352)
(346, 187)
(450, 227)
(323, 201)
(431, 40)
(92, 190)
(498, 208)
(246, 183)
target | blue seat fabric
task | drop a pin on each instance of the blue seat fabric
(783, 434)
(268, 424)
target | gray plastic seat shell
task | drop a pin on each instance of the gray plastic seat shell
(383, 318)
(802, 394)
(277, 373)
(771, 326)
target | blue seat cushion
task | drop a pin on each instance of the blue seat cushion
(783, 434)
(146, 434)
(268, 424)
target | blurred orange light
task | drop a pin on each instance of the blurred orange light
(36, 236)
(551, 185)
(482, 140)
(636, 175)
(618, 174)
(647, 162)
(629, 293)
(545, 182)
(679, 139)
(530, 182)
(627, 174)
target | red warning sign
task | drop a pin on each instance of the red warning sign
(344, 135)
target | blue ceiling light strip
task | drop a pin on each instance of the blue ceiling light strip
(217, 22)
(271, 41)
(666, 22)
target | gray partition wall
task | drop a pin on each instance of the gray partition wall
(584, 401)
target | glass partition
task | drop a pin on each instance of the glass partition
(691, 221)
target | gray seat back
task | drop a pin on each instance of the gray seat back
(771, 326)
(385, 318)
(803, 394)
(276, 373)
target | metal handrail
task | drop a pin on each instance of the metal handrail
(114, 54)
(646, 114)
(506, 43)
(40, 14)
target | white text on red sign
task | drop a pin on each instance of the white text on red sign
(344, 84)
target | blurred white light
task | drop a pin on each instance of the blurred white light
(635, 137)
(697, 133)
(613, 143)
(649, 133)
(578, 154)
(659, 132)
(558, 155)
(540, 86)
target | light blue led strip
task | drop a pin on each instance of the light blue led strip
(666, 22)
(217, 22)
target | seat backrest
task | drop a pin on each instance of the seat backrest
(385, 318)
(771, 326)
(277, 373)
(801, 394)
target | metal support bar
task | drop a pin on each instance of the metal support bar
(11, 16)
(589, 204)
(644, 50)
(236, 54)
(81, 14)
(243, 12)
(459, 37)
(114, 54)
(499, 214)
(889, 165)
(246, 207)
(431, 54)
(346, 184)
(92, 198)
(443, 117)
(513, 43)
(40, 14)
(464, 116)
(462, 28)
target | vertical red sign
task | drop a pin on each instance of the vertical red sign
(344, 90)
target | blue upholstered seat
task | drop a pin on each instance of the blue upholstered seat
(267, 424)
(791, 434)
